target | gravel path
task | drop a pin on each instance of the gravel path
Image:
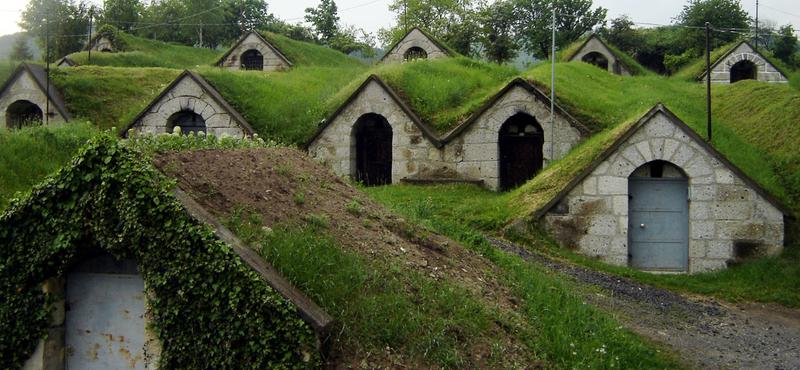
(707, 333)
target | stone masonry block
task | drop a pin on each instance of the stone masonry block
(719, 249)
(612, 185)
(697, 248)
(733, 210)
(603, 226)
(704, 230)
(645, 151)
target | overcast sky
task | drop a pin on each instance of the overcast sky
(372, 15)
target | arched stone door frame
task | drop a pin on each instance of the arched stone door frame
(372, 150)
(521, 150)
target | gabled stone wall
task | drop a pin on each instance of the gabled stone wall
(272, 61)
(102, 43)
(594, 44)
(721, 71)
(726, 215)
(475, 152)
(187, 95)
(414, 38)
(25, 87)
(412, 152)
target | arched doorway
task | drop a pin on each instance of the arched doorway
(188, 121)
(597, 59)
(658, 218)
(23, 113)
(744, 70)
(373, 136)
(415, 52)
(521, 145)
(252, 60)
(106, 50)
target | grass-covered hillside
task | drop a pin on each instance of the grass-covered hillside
(142, 52)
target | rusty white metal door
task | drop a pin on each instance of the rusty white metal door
(105, 321)
(658, 228)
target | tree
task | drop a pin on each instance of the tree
(497, 32)
(785, 47)
(721, 14)
(534, 23)
(20, 51)
(123, 14)
(68, 26)
(623, 35)
(324, 19)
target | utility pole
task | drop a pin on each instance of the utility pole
(708, 81)
(241, 15)
(405, 16)
(91, 14)
(47, 68)
(756, 25)
(553, 89)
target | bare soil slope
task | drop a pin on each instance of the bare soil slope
(286, 187)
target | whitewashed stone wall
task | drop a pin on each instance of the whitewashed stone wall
(102, 43)
(412, 152)
(187, 95)
(414, 38)
(721, 73)
(25, 88)
(723, 210)
(272, 62)
(475, 153)
(593, 44)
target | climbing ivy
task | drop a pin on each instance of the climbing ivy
(210, 311)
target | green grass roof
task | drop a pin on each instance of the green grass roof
(142, 52)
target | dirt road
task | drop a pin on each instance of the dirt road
(708, 334)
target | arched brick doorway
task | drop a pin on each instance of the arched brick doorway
(23, 113)
(373, 136)
(597, 59)
(744, 70)
(252, 60)
(415, 52)
(521, 145)
(188, 121)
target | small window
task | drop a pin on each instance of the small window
(252, 60)
(415, 52)
(188, 121)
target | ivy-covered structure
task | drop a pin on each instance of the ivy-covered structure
(208, 303)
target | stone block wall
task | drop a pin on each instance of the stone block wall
(414, 38)
(593, 44)
(412, 152)
(102, 43)
(272, 62)
(25, 88)
(475, 153)
(187, 95)
(721, 73)
(727, 218)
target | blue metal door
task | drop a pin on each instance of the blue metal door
(658, 226)
(105, 321)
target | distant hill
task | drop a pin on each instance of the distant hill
(7, 44)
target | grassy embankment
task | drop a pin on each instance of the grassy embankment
(764, 151)
(31, 153)
(141, 52)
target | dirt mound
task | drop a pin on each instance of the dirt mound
(286, 187)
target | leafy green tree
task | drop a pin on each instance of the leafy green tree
(123, 14)
(68, 25)
(20, 50)
(325, 20)
(534, 23)
(721, 14)
(497, 32)
(785, 47)
(623, 35)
